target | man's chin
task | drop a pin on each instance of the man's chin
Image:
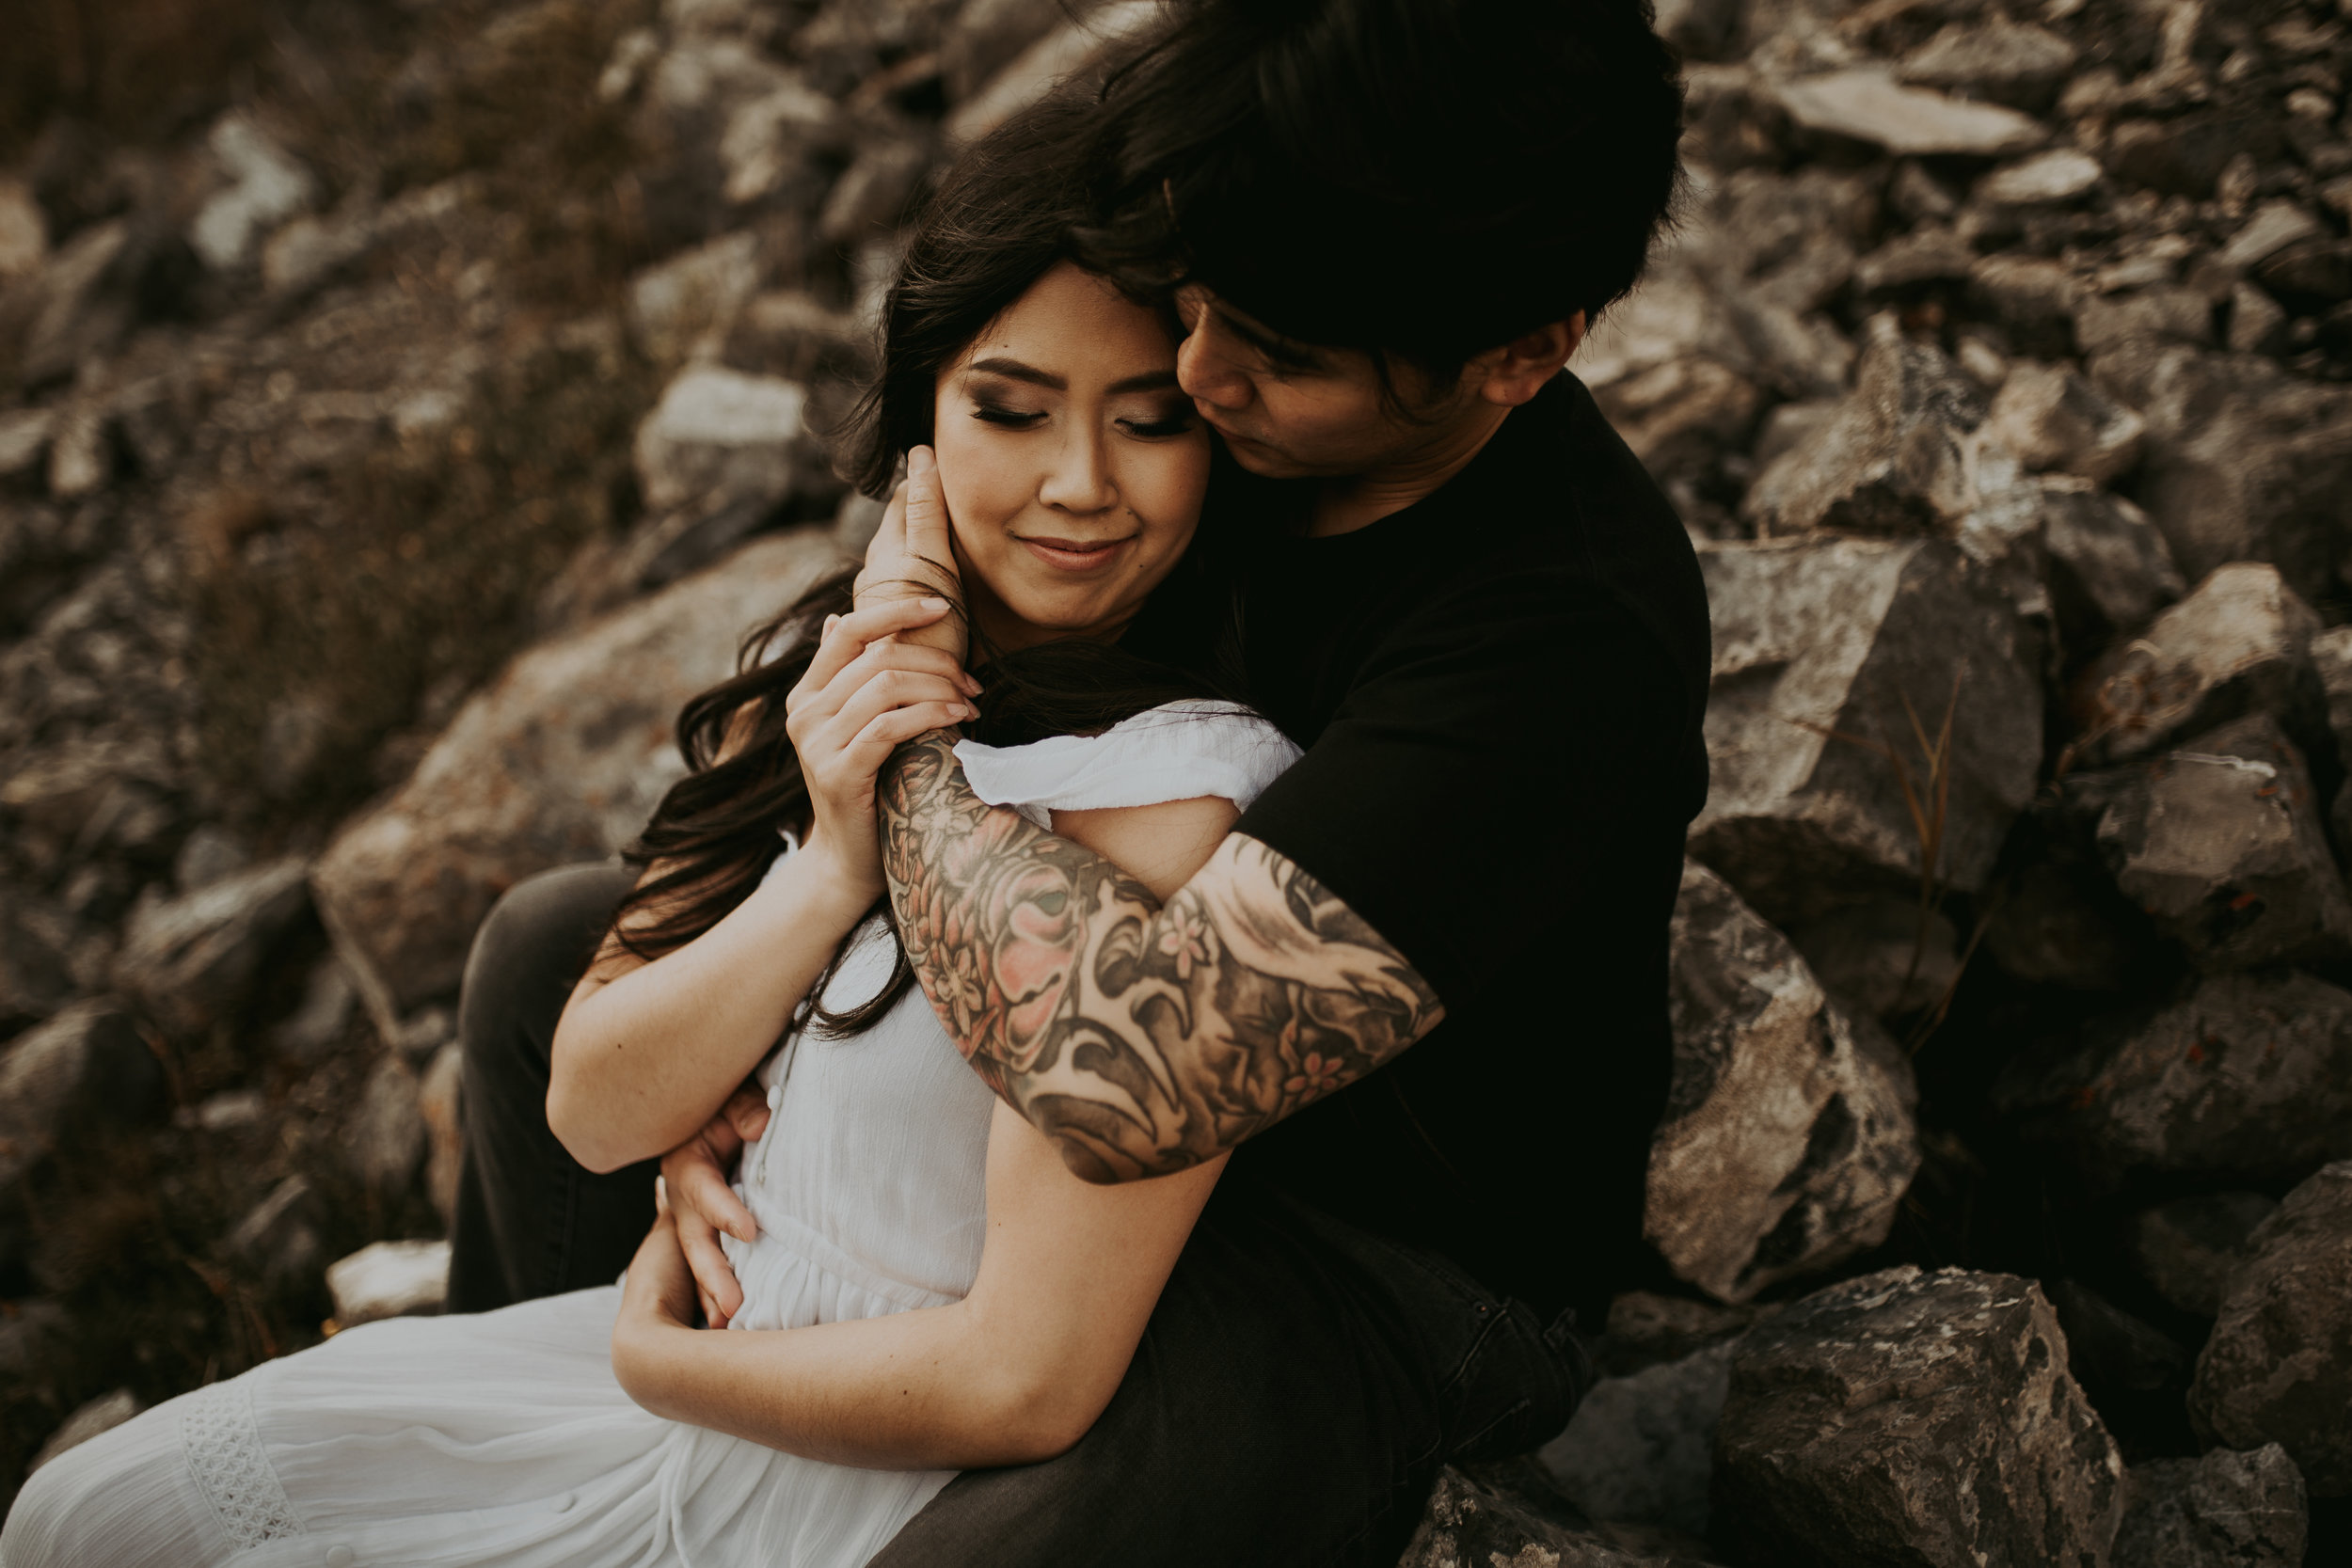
(1264, 461)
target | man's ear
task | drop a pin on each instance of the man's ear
(1513, 374)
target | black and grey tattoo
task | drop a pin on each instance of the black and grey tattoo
(1143, 1038)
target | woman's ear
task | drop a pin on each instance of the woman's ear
(1513, 374)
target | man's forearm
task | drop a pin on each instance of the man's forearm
(1142, 1037)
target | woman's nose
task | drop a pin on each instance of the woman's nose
(1080, 480)
(1207, 374)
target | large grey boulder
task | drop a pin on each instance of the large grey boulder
(561, 759)
(2228, 1510)
(390, 1279)
(1907, 1419)
(1893, 461)
(2248, 1076)
(2187, 1248)
(1823, 637)
(88, 1062)
(1641, 1448)
(195, 959)
(2239, 643)
(1787, 1140)
(2223, 843)
(2278, 1366)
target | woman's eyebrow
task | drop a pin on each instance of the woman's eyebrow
(1014, 370)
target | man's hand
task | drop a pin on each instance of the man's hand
(913, 556)
(694, 1178)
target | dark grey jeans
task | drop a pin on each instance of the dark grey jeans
(1299, 1383)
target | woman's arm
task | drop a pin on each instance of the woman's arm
(644, 1053)
(1014, 1372)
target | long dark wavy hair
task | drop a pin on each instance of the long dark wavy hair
(995, 225)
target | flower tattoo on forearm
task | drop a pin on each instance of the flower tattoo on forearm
(1141, 1038)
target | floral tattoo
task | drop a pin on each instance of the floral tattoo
(1142, 1039)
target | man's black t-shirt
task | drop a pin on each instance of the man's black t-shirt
(1500, 691)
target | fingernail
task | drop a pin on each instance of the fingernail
(963, 710)
(919, 461)
(831, 622)
(935, 603)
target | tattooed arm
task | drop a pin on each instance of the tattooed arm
(1142, 1037)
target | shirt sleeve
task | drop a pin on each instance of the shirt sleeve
(1476, 772)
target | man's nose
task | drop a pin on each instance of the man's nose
(1080, 479)
(1207, 375)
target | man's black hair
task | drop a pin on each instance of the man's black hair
(1421, 178)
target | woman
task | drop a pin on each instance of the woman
(929, 1289)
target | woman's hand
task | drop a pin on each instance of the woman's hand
(913, 555)
(866, 691)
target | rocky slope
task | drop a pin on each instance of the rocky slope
(399, 422)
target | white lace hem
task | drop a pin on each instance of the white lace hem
(223, 1443)
(1176, 752)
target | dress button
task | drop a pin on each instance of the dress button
(341, 1557)
(563, 1503)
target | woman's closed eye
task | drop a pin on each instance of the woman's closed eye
(1013, 419)
(1166, 425)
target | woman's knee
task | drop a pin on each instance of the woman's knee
(118, 1499)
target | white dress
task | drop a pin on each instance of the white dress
(504, 1438)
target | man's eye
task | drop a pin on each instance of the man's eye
(990, 414)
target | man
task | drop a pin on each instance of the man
(1421, 987)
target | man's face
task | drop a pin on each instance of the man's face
(1289, 410)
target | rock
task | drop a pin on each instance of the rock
(2258, 324)
(673, 304)
(101, 1415)
(2243, 463)
(985, 35)
(2247, 1077)
(769, 136)
(208, 855)
(230, 1111)
(2023, 65)
(437, 1099)
(2228, 1510)
(390, 1279)
(387, 1137)
(561, 759)
(2110, 570)
(86, 1064)
(2223, 843)
(2034, 300)
(2045, 179)
(1891, 463)
(2278, 1366)
(1866, 104)
(2187, 1248)
(306, 1032)
(69, 313)
(2273, 227)
(1930, 253)
(2113, 1354)
(33, 978)
(797, 338)
(2050, 418)
(1680, 415)
(719, 435)
(193, 959)
(1910, 1417)
(23, 231)
(266, 187)
(1645, 1328)
(277, 1239)
(1072, 50)
(1787, 1140)
(25, 434)
(2059, 924)
(1822, 637)
(1639, 1449)
(2307, 277)
(873, 191)
(1882, 957)
(1471, 1525)
(2240, 644)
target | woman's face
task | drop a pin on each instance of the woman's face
(1072, 465)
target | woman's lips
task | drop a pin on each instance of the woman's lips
(1075, 555)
